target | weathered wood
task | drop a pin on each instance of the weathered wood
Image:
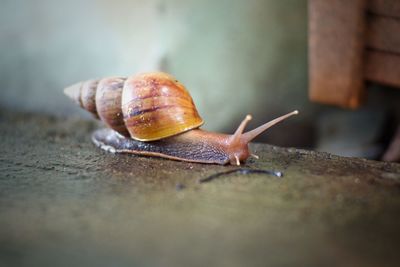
(385, 7)
(64, 202)
(384, 34)
(336, 43)
(382, 67)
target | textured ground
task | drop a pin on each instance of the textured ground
(64, 202)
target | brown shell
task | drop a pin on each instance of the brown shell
(108, 103)
(146, 107)
(88, 96)
(84, 94)
(156, 106)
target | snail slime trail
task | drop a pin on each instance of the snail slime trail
(152, 114)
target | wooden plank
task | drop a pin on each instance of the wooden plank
(383, 68)
(336, 44)
(384, 34)
(385, 7)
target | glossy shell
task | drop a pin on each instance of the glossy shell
(146, 107)
(108, 103)
(156, 106)
(88, 96)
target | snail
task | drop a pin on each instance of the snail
(153, 114)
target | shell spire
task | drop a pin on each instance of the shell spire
(74, 92)
(84, 95)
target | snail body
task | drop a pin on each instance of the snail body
(153, 114)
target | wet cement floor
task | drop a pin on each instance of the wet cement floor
(64, 202)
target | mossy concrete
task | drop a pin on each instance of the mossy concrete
(64, 202)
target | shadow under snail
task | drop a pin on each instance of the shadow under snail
(153, 114)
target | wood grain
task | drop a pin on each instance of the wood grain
(384, 34)
(336, 44)
(385, 7)
(382, 67)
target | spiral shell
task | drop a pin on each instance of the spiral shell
(146, 107)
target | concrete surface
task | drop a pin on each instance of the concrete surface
(64, 202)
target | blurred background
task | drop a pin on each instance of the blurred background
(235, 57)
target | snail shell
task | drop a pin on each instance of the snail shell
(145, 107)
